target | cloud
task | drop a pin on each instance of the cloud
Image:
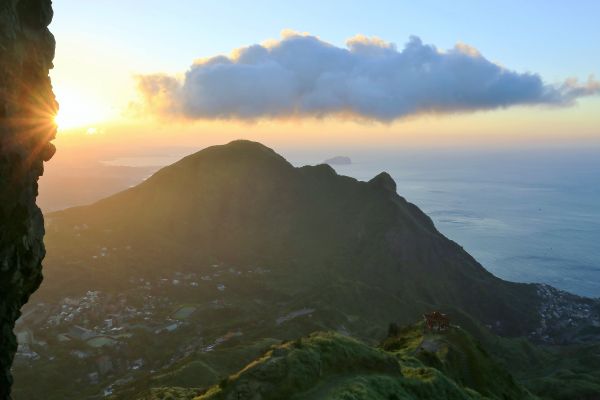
(301, 75)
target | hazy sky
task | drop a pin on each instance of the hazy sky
(103, 45)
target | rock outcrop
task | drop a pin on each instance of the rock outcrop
(27, 108)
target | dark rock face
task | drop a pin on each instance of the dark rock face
(27, 108)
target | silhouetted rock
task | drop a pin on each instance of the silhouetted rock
(27, 108)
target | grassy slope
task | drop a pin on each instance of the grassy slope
(331, 366)
(460, 357)
(551, 372)
(413, 365)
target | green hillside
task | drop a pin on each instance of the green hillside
(452, 364)
(413, 365)
(460, 357)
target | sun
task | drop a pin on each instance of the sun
(77, 110)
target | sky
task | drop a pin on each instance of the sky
(488, 73)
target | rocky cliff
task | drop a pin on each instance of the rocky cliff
(27, 108)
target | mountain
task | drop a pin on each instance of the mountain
(345, 247)
(172, 286)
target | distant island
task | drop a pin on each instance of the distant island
(338, 160)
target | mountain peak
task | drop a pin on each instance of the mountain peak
(384, 180)
(233, 155)
(245, 145)
(238, 147)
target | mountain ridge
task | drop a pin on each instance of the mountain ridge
(242, 201)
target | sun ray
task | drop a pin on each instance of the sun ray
(77, 110)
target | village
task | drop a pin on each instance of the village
(561, 311)
(112, 332)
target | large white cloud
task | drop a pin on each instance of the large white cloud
(300, 75)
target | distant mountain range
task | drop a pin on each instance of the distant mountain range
(334, 254)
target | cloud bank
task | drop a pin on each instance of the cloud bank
(301, 75)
